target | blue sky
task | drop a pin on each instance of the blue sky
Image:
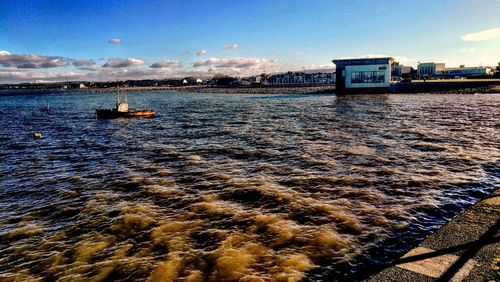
(68, 40)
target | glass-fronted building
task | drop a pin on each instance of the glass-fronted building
(362, 73)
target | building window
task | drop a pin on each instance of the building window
(368, 77)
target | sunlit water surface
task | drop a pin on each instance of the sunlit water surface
(235, 187)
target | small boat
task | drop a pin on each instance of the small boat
(121, 110)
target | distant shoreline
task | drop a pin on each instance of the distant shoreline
(232, 90)
(260, 89)
(470, 87)
(197, 89)
(433, 87)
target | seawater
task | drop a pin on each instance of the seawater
(235, 187)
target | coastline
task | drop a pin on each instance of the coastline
(260, 90)
(326, 89)
(418, 87)
(233, 90)
(456, 87)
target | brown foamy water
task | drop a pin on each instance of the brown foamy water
(235, 187)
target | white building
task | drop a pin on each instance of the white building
(463, 71)
(430, 69)
(399, 70)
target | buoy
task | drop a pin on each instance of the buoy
(37, 135)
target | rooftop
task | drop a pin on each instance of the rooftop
(355, 61)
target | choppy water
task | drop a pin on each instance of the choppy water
(230, 187)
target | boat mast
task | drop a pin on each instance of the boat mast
(121, 106)
(117, 94)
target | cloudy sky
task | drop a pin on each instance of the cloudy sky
(108, 40)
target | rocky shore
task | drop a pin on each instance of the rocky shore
(471, 90)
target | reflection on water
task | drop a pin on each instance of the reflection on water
(229, 187)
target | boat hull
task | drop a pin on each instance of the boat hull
(113, 113)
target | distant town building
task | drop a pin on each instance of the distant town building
(439, 70)
(256, 79)
(245, 81)
(463, 71)
(298, 78)
(363, 73)
(430, 69)
(400, 70)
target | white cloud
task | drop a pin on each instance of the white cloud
(406, 61)
(482, 35)
(167, 64)
(231, 46)
(241, 65)
(37, 76)
(123, 63)
(132, 68)
(233, 62)
(115, 41)
(31, 61)
(90, 67)
(320, 68)
(201, 53)
(99, 74)
(82, 63)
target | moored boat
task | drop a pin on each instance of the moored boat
(114, 113)
(121, 110)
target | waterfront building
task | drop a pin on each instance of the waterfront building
(430, 69)
(365, 73)
(399, 70)
(463, 71)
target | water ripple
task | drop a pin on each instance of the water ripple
(235, 187)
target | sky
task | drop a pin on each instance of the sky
(60, 40)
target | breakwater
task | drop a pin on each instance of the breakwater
(431, 86)
(453, 87)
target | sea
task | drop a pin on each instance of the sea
(227, 187)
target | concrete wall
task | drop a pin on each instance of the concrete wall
(350, 69)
